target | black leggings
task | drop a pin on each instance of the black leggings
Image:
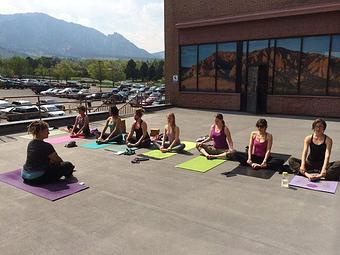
(332, 173)
(86, 132)
(53, 174)
(144, 143)
(116, 139)
(272, 163)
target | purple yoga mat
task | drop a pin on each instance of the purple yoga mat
(53, 191)
(322, 185)
(60, 139)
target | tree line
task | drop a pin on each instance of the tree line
(64, 69)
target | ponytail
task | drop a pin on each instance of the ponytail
(36, 127)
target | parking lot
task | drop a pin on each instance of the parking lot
(56, 102)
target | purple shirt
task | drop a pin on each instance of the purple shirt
(219, 138)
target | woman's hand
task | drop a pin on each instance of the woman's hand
(249, 162)
(263, 165)
(164, 150)
(255, 166)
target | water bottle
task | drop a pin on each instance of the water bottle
(285, 180)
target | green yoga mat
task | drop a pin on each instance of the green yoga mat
(189, 145)
(94, 145)
(120, 148)
(200, 164)
(52, 133)
(157, 154)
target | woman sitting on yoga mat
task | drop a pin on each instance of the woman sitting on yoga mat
(81, 125)
(316, 165)
(114, 123)
(43, 165)
(223, 144)
(171, 141)
(259, 149)
(142, 138)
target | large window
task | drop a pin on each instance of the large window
(189, 68)
(287, 63)
(206, 67)
(257, 54)
(314, 65)
(226, 65)
(334, 67)
(296, 66)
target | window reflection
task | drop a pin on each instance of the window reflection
(226, 65)
(287, 61)
(314, 65)
(206, 71)
(189, 68)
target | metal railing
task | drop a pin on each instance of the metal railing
(36, 101)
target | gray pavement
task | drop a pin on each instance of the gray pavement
(155, 208)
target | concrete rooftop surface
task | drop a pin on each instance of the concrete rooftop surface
(155, 208)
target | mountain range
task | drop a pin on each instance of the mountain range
(38, 34)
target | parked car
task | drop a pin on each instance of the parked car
(47, 92)
(21, 103)
(48, 101)
(5, 104)
(81, 94)
(94, 96)
(115, 91)
(23, 113)
(51, 111)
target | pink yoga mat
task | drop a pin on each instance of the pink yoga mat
(52, 192)
(322, 185)
(60, 139)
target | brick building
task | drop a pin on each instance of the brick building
(275, 56)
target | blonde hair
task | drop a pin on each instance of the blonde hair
(37, 126)
(171, 114)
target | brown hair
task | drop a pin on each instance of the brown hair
(114, 111)
(261, 123)
(220, 117)
(81, 108)
(37, 126)
(140, 112)
(317, 121)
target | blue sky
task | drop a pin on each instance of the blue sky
(140, 21)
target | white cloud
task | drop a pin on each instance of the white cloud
(140, 21)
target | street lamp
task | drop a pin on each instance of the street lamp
(100, 75)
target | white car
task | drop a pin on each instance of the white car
(22, 103)
(51, 111)
(47, 92)
(5, 104)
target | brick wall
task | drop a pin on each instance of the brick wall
(304, 105)
(178, 11)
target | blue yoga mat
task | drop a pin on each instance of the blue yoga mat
(94, 145)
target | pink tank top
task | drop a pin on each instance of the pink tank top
(219, 139)
(259, 149)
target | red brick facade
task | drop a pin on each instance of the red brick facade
(204, 21)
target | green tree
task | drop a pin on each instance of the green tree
(19, 66)
(41, 71)
(63, 70)
(152, 73)
(95, 70)
(130, 70)
(159, 70)
(144, 71)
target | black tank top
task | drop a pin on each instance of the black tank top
(139, 132)
(317, 152)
